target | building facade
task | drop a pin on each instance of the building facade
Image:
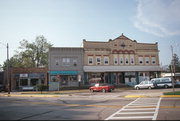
(120, 61)
(65, 67)
(27, 78)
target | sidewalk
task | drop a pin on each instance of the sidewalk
(121, 92)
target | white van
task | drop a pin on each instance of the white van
(162, 82)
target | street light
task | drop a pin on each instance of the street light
(7, 72)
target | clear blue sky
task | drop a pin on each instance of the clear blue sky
(65, 23)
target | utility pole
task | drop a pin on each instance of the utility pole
(8, 69)
(172, 67)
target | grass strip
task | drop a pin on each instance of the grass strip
(172, 93)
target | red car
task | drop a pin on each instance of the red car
(102, 87)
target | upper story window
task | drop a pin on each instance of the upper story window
(147, 60)
(66, 61)
(57, 61)
(115, 61)
(98, 60)
(140, 60)
(132, 60)
(153, 60)
(75, 62)
(90, 60)
(127, 60)
(121, 60)
(106, 60)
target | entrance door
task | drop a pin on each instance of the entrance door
(121, 78)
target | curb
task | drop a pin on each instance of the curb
(141, 96)
(170, 96)
(6, 95)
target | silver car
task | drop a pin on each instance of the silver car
(144, 84)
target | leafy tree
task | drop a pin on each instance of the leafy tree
(176, 63)
(34, 54)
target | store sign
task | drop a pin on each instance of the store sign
(129, 73)
(23, 75)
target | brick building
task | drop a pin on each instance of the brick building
(120, 61)
(27, 78)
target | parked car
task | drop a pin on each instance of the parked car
(162, 82)
(102, 87)
(177, 84)
(2, 88)
(144, 84)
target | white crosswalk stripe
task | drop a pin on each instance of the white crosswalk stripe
(141, 108)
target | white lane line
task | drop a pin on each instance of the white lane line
(145, 104)
(141, 109)
(156, 111)
(131, 106)
(133, 117)
(136, 113)
(111, 116)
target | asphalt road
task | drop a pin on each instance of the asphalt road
(92, 106)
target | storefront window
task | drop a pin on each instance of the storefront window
(24, 82)
(73, 78)
(34, 82)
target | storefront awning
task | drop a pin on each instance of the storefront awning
(63, 72)
(120, 68)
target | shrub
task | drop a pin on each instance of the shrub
(41, 87)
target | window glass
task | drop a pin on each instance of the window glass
(98, 60)
(56, 61)
(66, 61)
(153, 60)
(127, 61)
(132, 60)
(165, 80)
(147, 60)
(140, 60)
(121, 60)
(90, 60)
(157, 80)
(115, 60)
(106, 60)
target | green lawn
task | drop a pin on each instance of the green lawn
(172, 93)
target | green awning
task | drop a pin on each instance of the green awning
(63, 72)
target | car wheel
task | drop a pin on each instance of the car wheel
(110, 90)
(149, 87)
(137, 88)
(104, 90)
(166, 86)
(91, 90)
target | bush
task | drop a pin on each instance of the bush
(42, 87)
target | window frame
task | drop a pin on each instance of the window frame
(90, 57)
(98, 62)
(106, 57)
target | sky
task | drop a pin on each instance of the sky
(65, 23)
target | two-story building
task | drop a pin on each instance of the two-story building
(65, 67)
(120, 61)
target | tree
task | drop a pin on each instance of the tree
(176, 63)
(33, 54)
